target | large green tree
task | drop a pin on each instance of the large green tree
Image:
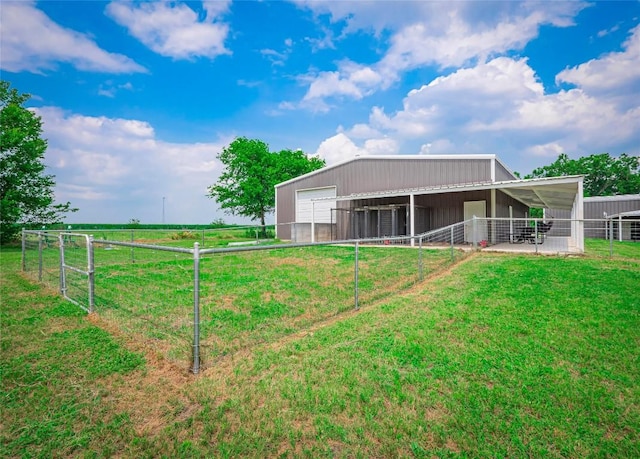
(246, 186)
(26, 191)
(605, 175)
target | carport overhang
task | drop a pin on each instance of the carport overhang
(550, 193)
(547, 193)
(562, 193)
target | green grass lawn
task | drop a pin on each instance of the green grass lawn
(502, 356)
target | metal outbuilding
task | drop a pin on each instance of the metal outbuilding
(374, 196)
(624, 210)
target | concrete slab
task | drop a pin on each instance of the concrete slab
(551, 245)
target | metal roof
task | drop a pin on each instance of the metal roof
(549, 192)
(401, 158)
(631, 213)
(618, 197)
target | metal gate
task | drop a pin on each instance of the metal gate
(77, 269)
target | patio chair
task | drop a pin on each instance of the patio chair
(528, 233)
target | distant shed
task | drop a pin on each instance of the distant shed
(624, 209)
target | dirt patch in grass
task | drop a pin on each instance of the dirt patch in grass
(148, 394)
(289, 261)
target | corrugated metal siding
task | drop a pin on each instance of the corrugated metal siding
(448, 208)
(502, 173)
(503, 201)
(285, 213)
(595, 209)
(373, 174)
(380, 174)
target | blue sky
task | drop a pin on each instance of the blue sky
(138, 98)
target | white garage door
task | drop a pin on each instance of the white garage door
(304, 205)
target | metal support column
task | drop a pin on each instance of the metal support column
(196, 308)
(91, 273)
(355, 277)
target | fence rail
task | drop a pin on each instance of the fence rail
(200, 303)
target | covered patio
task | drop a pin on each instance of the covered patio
(556, 193)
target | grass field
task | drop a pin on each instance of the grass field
(498, 356)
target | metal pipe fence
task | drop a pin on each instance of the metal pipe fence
(207, 237)
(197, 304)
(558, 236)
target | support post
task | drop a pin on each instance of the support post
(511, 237)
(313, 221)
(620, 228)
(40, 256)
(394, 221)
(133, 258)
(331, 224)
(91, 273)
(196, 308)
(474, 224)
(412, 216)
(357, 306)
(452, 235)
(611, 237)
(63, 280)
(535, 234)
(420, 264)
(24, 251)
(366, 223)
(493, 216)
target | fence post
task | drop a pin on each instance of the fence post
(420, 275)
(535, 234)
(452, 257)
(63, 280)
(611, 237)
(133, 258)
(475, 231)
(91, 272)
(357, 306)
(24, 251)
(40, 256)
(196, 308)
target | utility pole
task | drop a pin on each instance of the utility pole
(163, 198)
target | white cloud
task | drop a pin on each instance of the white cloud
(360, 131)
(338, 148)
(501, 107)
(616, 73)
(440, 34)
(174, 30)
(365, 16)
(330, 83)
(605, 32)
(276, 57)
(110, 89)
(32, 42)
(110, 167)
(438, 147)
(384, 146)
(352, 81)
